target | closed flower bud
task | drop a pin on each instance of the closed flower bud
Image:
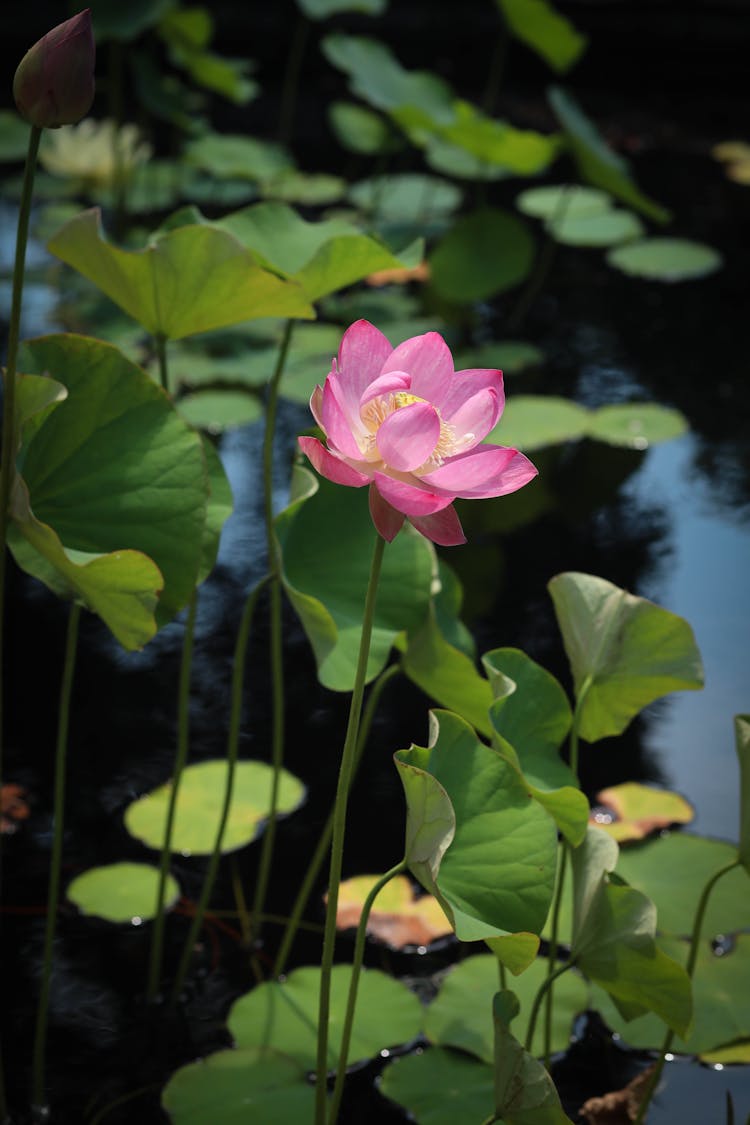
(54, 82)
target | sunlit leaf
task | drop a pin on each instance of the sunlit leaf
(329, 596)
(524, 1091)
(398, 917)
(614, 928)
(484, 253)
(494, 142)
(597, 162)
(537, 24)
(284, 1015)
(666, 259)
(121, 892)
(638, 810)
(440, 1087)
(229, 1086)
(461, 1014)
(624, 651)
(635, 425)
(475, 838)
(199, 803)
(193, 279)
(534, 421)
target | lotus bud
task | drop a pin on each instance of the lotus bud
(54, 82)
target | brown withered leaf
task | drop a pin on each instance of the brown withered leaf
(631, 811)
(397, 918)
(399, 276)
(13, 807)
(620, 1107)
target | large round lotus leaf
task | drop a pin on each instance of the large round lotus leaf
(121, 892)
(441, 1087)
(557, 199)
(635, 425)
(461, 1014)
(533, 421)
(284, 1015)
(672, 870)
(604, 229)
(666, 259)
(484, 253)
(199, 804)
(239, 1087)
(721, 999)
(406, 197)
(397, 917)
(219, 410)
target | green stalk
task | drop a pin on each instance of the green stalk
(695, 938)
(339, 827)
(160, 341)
(541, 993)
(180, 758)
(291, 78)
(321, 849)
(275, 637)
(53, 892)
(351, 1003)
(233, 742)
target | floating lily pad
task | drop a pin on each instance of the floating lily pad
(440, 1087)
(637, 810)
(552, 200)
(284, 1015)
(534, 421)
(238, 157)
(512, 357)
(605, 229)
(461, 1014)
(199, 804)
(666, 259)
(484, 253)
(121, 892)
(635, 425)
(398, 917)
(406, 197)
(219, 410)
(231, 1086)
(312, 189)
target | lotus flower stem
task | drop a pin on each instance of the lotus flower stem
(53, 893)
(351, 1003)
(321, 849)
(695, 938)
(541, 993)
(276, 647)
(339, 826)
(233, 742)
(180, 758)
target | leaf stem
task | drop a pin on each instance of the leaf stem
(275, 636)
(180, 758)
(160, 341)
(53, 892)
(339, 827)
(695, 938)
(292, 72)
(351, 1003)
(233, 742)
(324, 841)
(541, 993)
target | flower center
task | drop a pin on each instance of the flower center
(375, 412)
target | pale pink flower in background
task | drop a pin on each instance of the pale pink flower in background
(402, 421)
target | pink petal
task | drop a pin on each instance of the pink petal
(409, 499)
(316, 406)
(443, 527)
(408, 436)
(466, 472)
(518, 472)
(337, 426)
(329, 465)
(387, 520)
(474, 420)
(362, 353)
(386, 384)
(429, 362)
(468, 383)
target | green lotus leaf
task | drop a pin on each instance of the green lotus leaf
(322, 9)
(329, 596)
(121, 892)
(199, 804)
(284, 1015)
(609, 228)
(534, 421)
(511, 356)
(230, 156)
(14, 137)
(475, 837)
(220, 409)
(439, 1087)
(597, 163)
(614, 929)
(551, 201)
(359, 129)
(484, 253)
(408, 197)
(537, 24)
(495, 143)
(228, 1087)
(635, 425)
(310, 189)
(624, 651)
(666, 259)
(193, 279)
(524, 1091)
(461, 1015)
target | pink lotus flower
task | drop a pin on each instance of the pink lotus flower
(404, 422)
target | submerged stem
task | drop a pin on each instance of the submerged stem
(233, 742)
(180, 758)
(339, 827)
(53, 893)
